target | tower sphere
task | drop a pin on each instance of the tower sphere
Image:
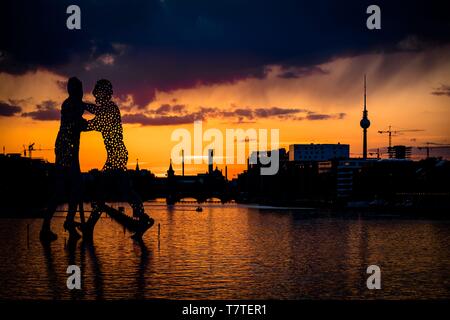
(364, 123)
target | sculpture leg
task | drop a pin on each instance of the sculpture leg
(46, 235)
(74, 199)
(135, 202)
(87, 228)
(81, 209)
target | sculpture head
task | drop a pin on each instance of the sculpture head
(75, 88)
(103, 90)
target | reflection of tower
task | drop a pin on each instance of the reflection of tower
(364, 123)
(210, 161)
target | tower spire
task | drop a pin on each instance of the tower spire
(365, 123)
(365, 94)
(170, 171)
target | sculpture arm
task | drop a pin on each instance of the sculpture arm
(91, 125)
(84, 125)
(90, 107)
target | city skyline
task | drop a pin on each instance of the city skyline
(342, 128)
(224, 158)
(177, 62)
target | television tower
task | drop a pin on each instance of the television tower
(365, 123)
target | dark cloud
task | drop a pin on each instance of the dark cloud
(295, 73)
(177, 114)
(144, 120)
(412, 43)
(149, 46)
(178, 108)
(46, 111)
(165, 109)
(321, 116)
(164, 115)
(443, 90)
(341, 115)
(275, 111)
(62, 85)
(238, 112)
(8, 109)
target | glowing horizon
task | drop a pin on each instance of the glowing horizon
(402, 98)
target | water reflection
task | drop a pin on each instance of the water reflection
(96, 266)
(52, 276)
(142, 267)
(231, 252)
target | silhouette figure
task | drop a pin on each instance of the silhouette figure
(108, 122)
(67, 175)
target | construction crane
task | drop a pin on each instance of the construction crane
(433, 145)
(391, 132)
(31, 148)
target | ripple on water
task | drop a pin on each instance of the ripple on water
(231, 252)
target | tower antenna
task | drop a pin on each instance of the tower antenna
(365, 94)
(365, 123)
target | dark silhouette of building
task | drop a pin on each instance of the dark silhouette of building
(404, 183)
(201, 187)
(26, 184)
(296, 182)
(318, 152)
(399, 152)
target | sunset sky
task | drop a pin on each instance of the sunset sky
(233, 64)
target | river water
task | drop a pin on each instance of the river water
(231, 252)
